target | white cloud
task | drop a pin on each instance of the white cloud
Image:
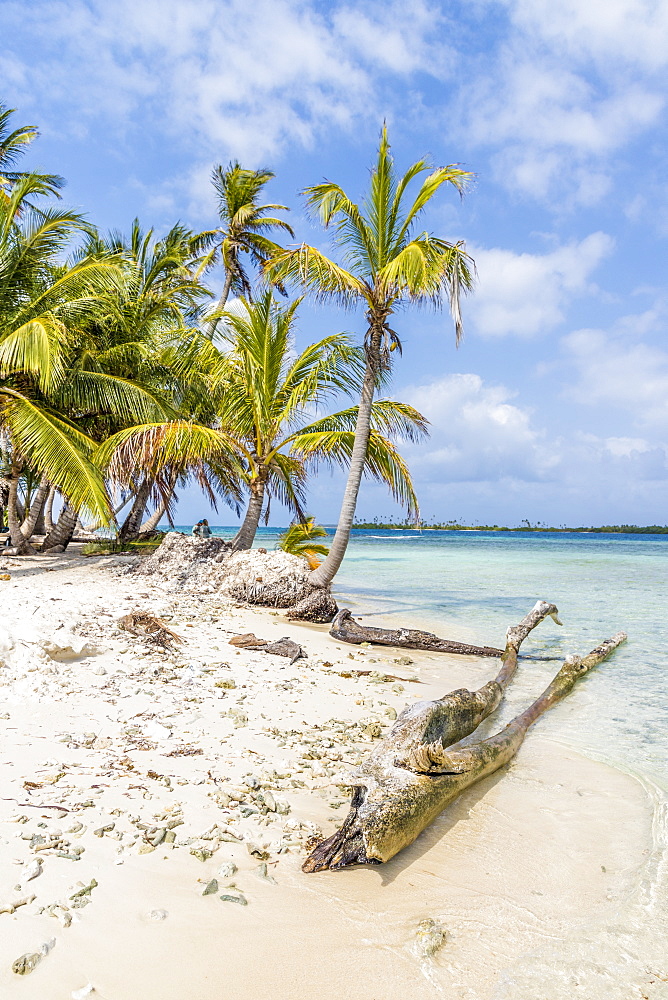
(615, 370)
(525, 294)
(241, 79)
(476, 432)
(571, 84)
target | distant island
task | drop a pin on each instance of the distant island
(606, 529)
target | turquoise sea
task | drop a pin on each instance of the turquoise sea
(473, 584)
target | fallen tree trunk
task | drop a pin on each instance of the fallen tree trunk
(346, 629)
(421, 766)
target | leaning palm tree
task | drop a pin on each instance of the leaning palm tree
(388, 264)
(243, 229)
(267, 399)
(266, 432)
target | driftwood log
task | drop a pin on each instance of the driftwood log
(421, 767)
(346, 629)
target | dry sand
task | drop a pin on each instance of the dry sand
(527, 873)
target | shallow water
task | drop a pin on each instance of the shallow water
(471, 586)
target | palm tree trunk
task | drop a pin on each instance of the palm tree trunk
(36, 508)
(130, 527)
(325, 573)
(152, 522)
(246, 534)
(4, 496)
(14, 517)
(48, 510)
(61, 534)
(225, 294)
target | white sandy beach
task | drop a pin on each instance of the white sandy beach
(532, 873)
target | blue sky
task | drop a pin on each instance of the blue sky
(555, 407)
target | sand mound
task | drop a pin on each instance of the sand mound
(180, 559)
(274, 579)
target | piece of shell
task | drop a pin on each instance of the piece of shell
(256, 851)
(227, 870)
(211, 887)
(25, 964)
(33, 870)
(14, 905)
(201, 853)
(157, 915)
(84, 992)
(228, 898)
(429, 937)
(263, 872)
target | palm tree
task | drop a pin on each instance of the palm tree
(388, 264)
(41, 302)
(300, 540)
(266, 433)
(244, 224)
(133, 339)
(13, 145)
(268, 395)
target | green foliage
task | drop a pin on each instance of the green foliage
(300, 540)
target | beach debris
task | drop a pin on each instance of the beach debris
(409, 778)
(210, 888)
(227, 870)
(150, 628)
(16, 904)
(201, 853)
(81, 897)
(65, 654)
(280, 647)
(346, 629)
(238, 898)
(157, 915)
(84, 992)
(248, 641)
(60, 912)
(256, 850)
(26, 963)
(429, 937)
(5, 576)
(33, 870)
(262, 872)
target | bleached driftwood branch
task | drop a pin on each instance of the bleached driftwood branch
(421, 767)
(346, 629)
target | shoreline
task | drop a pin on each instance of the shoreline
(524, 860)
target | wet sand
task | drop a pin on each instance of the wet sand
(536, 874)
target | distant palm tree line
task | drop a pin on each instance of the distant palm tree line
(121, 377)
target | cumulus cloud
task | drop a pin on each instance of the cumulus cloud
(614, 368)
(570, 84)
(480, 433)
(239, 78)
(525, 294)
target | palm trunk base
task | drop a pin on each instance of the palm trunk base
(319, 607)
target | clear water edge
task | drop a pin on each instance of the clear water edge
(471, 586)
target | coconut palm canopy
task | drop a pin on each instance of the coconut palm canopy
(385, 263)
(244, 225)
(268, 417)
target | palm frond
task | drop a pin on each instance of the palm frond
(58, 451)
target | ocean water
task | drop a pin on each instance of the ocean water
(471, 585)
